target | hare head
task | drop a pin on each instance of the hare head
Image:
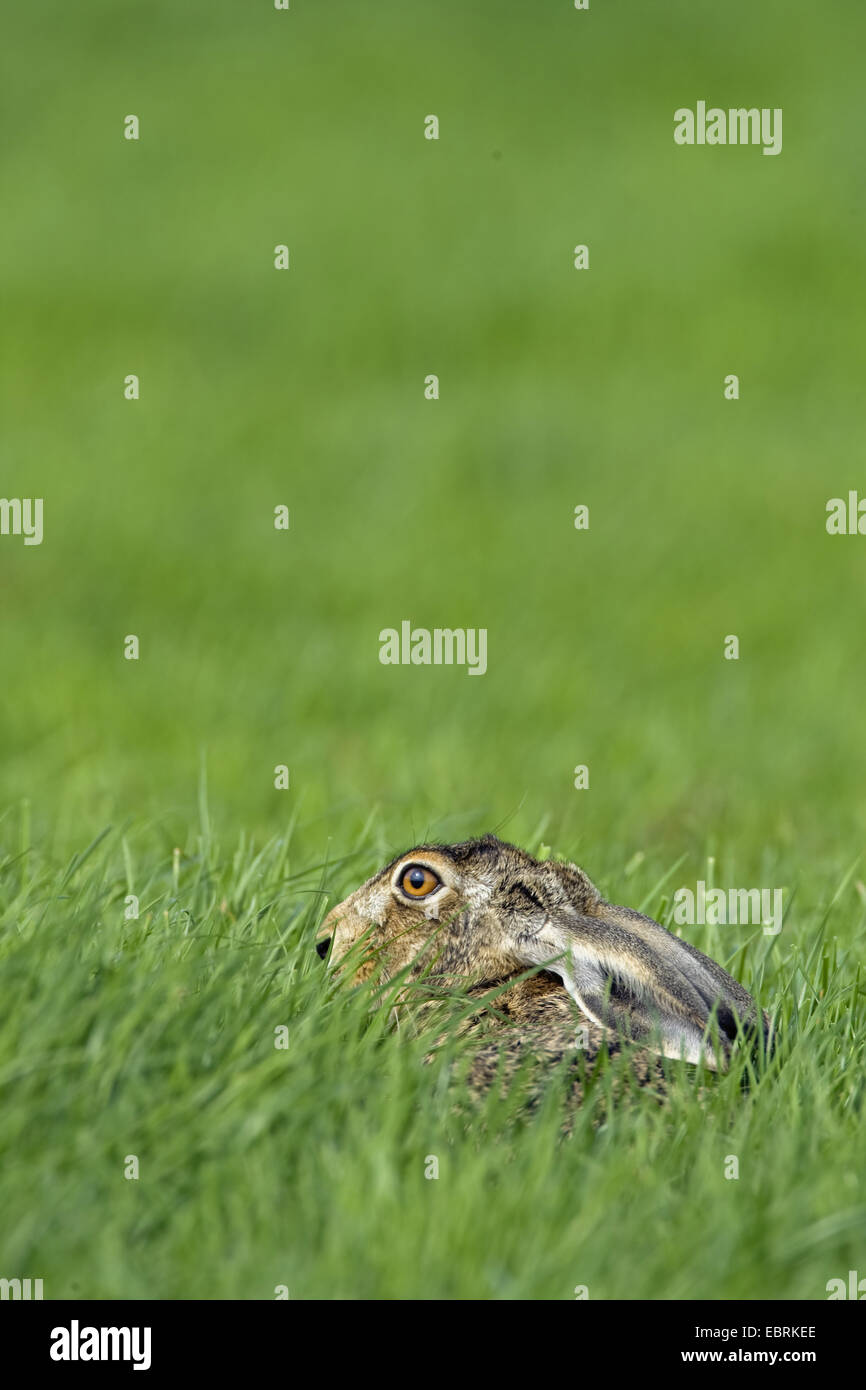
(483, 911)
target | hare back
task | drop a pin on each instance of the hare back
(536, 1021)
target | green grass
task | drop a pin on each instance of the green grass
(305, 1167)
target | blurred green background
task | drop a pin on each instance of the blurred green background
(558, 387)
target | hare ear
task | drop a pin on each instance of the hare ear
(631, 975)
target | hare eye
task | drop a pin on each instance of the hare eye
(418, 882)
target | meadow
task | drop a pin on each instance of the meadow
(153, 1036)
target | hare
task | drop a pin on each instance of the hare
(482, 913)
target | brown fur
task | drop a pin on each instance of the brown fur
(612, 975)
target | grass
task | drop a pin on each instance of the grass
(305, 1167)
